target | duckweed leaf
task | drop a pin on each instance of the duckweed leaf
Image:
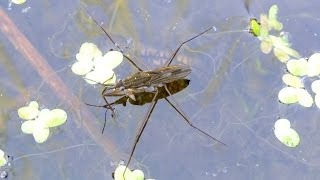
(109, 61)
(314, 65)
(289, 51)
(118, 173)
(130, 175)
(44, 116)
(82, 67)
(34, 104)
(287, 136)
(273, 19)
(282, 44)
(297, 67)
(281, 55)
(137, 175)
(90, 49)
(58, 118)
(315, 86)
(266, 45)
(40, 133)
(264, 27)
(18, 1)
(27, 127)
(106, 76)
(292, 81)
(28, 112)
(81, 57)
(317, 100)
(3, 159)
(288, 95)
(282, 124)
(304, 98)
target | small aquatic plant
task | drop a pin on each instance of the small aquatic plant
(124, 173)
(94, 67)
(285, 134)
(38, 121)
(278, 43)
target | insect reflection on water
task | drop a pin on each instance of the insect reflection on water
(149, 87)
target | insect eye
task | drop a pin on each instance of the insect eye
(121, 88)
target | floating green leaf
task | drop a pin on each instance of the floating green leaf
(282, 124)
(266, 45)
(314, 65)
(315, 86)
(281, 55)
(58, 117)
(297, 67)
(317, 100)
(44, 116)
(29, 112)
(82, 67)
(287, 136)
(273, 19)
(106, 76)
(90, 50)
(288, 95)
(283, 45)
(304, 98)
(18, 1)
(292, 81)
(40, 133)
(3, 159)
(110, 60)
(129, 175)
(264, 27)
(34, 104)
(27, 127)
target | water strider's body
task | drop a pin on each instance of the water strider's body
(147, 81)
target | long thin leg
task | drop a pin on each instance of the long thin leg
(177, 50)
(187, 120)
(105, 31)
(142, 126)
(108, 104)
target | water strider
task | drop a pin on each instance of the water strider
(151, 84)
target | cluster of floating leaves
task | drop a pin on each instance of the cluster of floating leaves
(295, 92)
(94, 67)
(285, 133)
(298, 68)
(279, 44)
(124, 173)
(38, 121)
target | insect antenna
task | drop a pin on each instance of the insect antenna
(177, 50)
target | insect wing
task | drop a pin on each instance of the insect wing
(169, 74)
(138, 79)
